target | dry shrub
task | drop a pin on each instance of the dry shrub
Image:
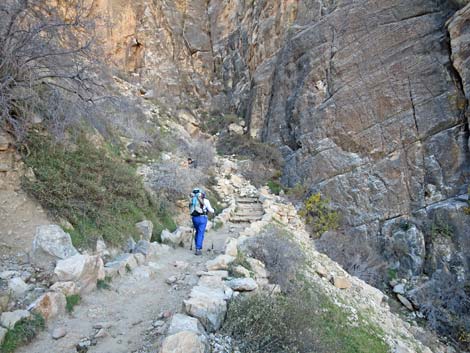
(46, 56)
(359, 257)
(303, 321)
(282, 256)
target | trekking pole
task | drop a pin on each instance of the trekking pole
(212, 247)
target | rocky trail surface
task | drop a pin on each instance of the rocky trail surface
(134, 307)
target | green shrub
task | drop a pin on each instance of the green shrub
(22, 333)
(274, 186)
(98, 195)
(104, 283)
(303, 321)
(319, 215)
(72, 301)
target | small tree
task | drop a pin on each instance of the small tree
(45, 60)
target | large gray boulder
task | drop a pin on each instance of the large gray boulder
(50, 244)
(145, 229)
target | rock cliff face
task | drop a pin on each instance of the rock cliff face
(366, 99)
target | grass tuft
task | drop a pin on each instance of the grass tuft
(22, 333)
(72, 301)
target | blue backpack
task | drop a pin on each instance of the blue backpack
(196, 205)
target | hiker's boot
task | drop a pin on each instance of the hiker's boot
(198, 252)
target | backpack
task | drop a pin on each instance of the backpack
(196, 205)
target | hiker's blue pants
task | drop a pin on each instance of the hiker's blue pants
(199, 223)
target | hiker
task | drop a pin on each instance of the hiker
(191, 163)
(199, 207)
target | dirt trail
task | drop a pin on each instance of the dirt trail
(132, 305)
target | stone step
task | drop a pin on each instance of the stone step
(248, 200)
(244, 219)
(244, 213)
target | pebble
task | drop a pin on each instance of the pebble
(171, 280)
(59, 332)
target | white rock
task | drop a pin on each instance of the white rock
(50, 244)
(101, 248)
(258, 268)
(181, 322)
(221, 262)
(236, 129)
(209, 310)
(66, 288)
(9, 319)
(143, 272)
(243, 284)
(399, 289)
(49, 305)
(184, 342)
(58, 332)
(17, 286)
(145, 229)
(241, 271)
(84, 270)
(231, 247)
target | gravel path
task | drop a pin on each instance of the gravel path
(129, 312)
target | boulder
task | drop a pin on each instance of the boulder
(341, 282)
(405, 302)
(399, 289)
(231, 247)
(243, 284)
(181, 322)
(221, 262)
(321, 271)
(130, 245)
(9, 319)
(180, 236)
(184, 342)
(258, 268)
(49, 305)
(101, 248)
(208, 309)
(240, 271)
(17, 286)
(84, 270)
(121, 265)
(142, 247)
(50, 244)
(66, 288)
(145, 229)
(236, 129)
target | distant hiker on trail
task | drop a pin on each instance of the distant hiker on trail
(199, 206)
(191, 163)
